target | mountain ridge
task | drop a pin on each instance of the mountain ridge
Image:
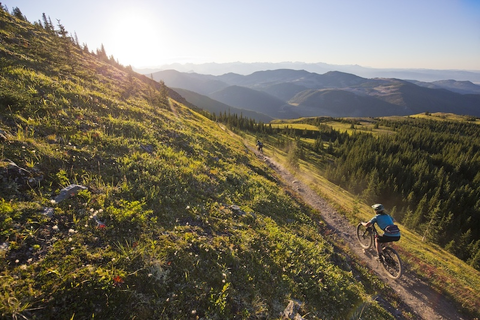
(386, 96)
(367, 72)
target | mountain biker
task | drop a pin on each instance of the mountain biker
(259, 145)
(386, 223)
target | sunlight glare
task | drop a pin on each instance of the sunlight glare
(134, 37)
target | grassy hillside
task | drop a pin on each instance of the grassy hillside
(168, 217)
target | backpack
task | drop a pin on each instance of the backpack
(393, 228)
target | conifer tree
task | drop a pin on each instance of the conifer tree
(372, 191)
(18, 14)
(47, 23)
(474, 261)
(102, 53)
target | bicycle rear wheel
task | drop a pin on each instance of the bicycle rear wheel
(392, 263)
(364, 236)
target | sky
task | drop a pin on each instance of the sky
(426, 34)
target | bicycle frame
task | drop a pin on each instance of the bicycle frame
(390, 259)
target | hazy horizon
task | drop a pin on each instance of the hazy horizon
(428, 34)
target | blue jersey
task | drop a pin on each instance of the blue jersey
(384, 220)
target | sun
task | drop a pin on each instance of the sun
(133, 38)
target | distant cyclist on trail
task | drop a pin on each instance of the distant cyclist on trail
(386, 223)
(259, 145)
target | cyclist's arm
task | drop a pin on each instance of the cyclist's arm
(369, 223)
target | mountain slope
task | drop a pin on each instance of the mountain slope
(337, 103)
(284, 91)
(216, 107)
(463, 87)
(250, 99)
(419, 99)
(190, 81)
(117, 202)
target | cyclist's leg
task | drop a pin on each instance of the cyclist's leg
(381, 240)
(385, 239)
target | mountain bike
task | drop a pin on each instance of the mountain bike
(389, 259)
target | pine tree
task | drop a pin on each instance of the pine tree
(47, 23)
(371, 193)
(433, 228)
(474, 261)
(102, 53)
(413, 220)
(18, 14)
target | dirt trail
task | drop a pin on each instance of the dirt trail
(425, 302)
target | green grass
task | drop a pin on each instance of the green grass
(441, 116)
(298, 126)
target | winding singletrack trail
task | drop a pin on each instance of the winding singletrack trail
(417, 295)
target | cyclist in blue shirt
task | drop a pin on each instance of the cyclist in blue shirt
(386, 223)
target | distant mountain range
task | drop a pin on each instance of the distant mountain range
(428, 75)
(288, 93)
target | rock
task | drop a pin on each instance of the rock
(48, 211)
(291, 311)
(237, 210)
(69, 191)
(147, 148)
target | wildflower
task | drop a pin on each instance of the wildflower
(117, 280)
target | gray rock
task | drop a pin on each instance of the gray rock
(68, 192)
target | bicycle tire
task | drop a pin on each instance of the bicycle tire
(364, 236)
(392, 263)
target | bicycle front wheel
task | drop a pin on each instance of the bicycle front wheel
(364, 236)
(392, 263)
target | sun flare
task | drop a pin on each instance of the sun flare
(133, 37)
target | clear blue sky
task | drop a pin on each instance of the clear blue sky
(431, 34)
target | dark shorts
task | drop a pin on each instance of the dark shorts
(384, 238)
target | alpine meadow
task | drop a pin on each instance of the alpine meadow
(119, 199)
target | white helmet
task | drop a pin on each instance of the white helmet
(378, 208)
